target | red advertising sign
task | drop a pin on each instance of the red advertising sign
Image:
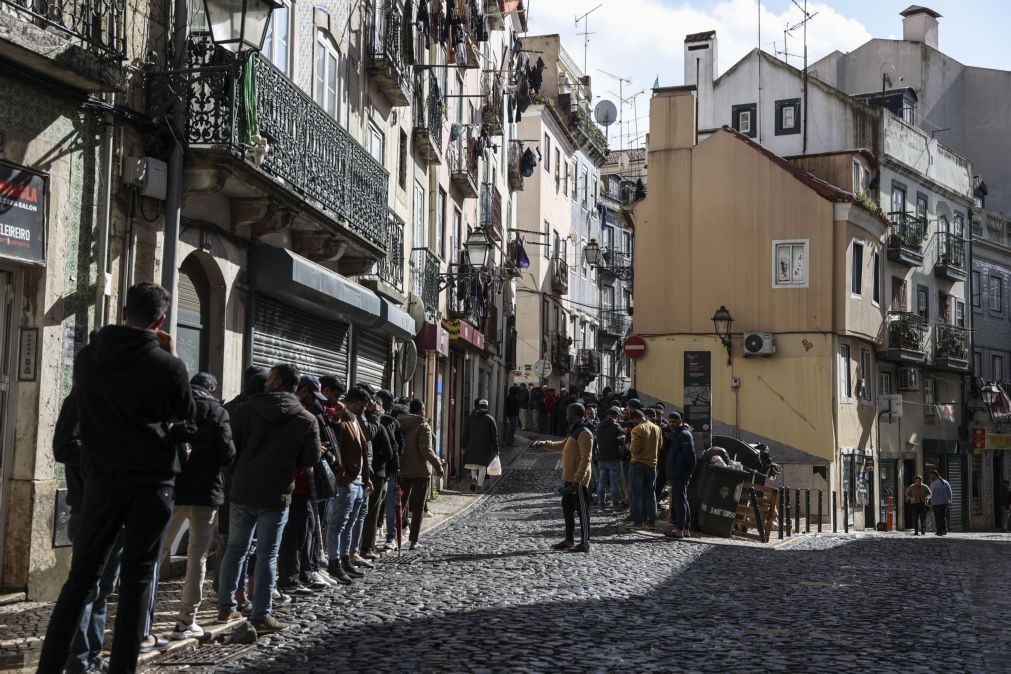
(978, 437)
(635, 347)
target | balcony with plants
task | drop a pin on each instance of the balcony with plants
(464, 295)
(428, 119)
(589, 136)
(904, 239)
(951, 347)
(905, 338)
(386, 51)
(463, 163)
(588, 363)
(950, 264)
(560, 346)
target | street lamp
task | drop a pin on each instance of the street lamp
(723, 321)
(478, 247)
(592, 252)
(239, 25)
(990, 392)
(596, 256)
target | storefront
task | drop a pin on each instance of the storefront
(949, 459)
(373, 361)
(465, 343)
(430, 383)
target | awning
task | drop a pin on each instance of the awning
(463, 334)
(433, 338)
(292, 279)
(395, 322)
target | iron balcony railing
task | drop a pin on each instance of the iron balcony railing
(428, 111)
(559, 275)
(491, 110)
(291, 138)
(425, 281)
(906, 232)
(491, 210)
(464, 299)
(560, 345)
(515, 160)
(99, 25)
(588, 362)
(391, 268)
(613, 322)
(463, 159)
(906, 331)
(950, 250)
(951, 344)
(386, 54)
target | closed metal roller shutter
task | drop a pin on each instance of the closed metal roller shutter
(956, 479)
(372, 358)
(190, 306)
(282, 334)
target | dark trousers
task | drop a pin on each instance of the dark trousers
(293, 559)
(679, 504)
(415, 492)
(661, 474)
(318, 547)
(142, 511)
(919, 511)
(577, 504)
(376, 510)
(941, 518)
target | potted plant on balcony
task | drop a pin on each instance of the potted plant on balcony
(950, 345)
(903, 333)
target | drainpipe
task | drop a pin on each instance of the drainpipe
(103, 286)
(173, 198)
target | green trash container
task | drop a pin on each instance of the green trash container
(719, 493)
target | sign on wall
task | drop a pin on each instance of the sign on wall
(22, 214)
(698, 390)
(28, 354)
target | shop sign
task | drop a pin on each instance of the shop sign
(978, 437)
(998, 441)
(698, 387)
(22, 214)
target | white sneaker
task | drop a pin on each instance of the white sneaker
(184, 631)
(317, 577)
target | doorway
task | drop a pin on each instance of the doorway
(7, 374)
(908, 473)
(999, 490)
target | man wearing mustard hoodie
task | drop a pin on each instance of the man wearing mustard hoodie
(576, 449)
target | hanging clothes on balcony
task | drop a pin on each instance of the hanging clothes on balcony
(528, 163)
(518, 253)
(424, 21)
(536, 75)
(408, 33)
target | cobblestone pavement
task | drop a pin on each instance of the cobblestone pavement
(487, 594)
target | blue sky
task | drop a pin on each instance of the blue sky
(644, 39)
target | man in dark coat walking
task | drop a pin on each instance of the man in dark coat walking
(480, 443)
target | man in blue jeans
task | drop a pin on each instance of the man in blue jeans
(610, 445)
(274, 436)
(353, 483)
(940, 501)
(645, 449)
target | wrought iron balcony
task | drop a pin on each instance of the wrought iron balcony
(463, 166)
(385, 54)
(950, 263)
(99, 26)
(464, 299)
(560, 346)
(515, 159)
(905, 337)
(425, 281)
(390, 269)
(559, 276)
(905, 239)
(291, 139)
(951, 347)
(491, 211)
(428, 120)
(588, 362)
(491, 110)
(613, 322)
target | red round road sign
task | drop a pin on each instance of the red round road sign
(635, 347)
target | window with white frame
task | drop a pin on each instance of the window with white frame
(790, 263)
(959, 313)
(996, 294)
(376, 144)
(626, 242)
(276, 43)
(440, 228)
(977, 289)
(867, 387)
(419, 216)
(876, 290)
(325, 71)
(547, 153)
(845, 373)
(857, 272)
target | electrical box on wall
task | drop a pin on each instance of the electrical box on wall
(148, 175)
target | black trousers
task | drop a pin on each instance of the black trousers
(377, 510)
(415, 493)
(919, 511)
(143, 512)
(941, 518)
(293, 557)
(574, 505)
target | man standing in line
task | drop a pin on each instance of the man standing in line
(536, 408)
(680, 466)
(940, 499)
(576, 449)
(393, 468)
(645, 448)
(610, 445)
(917, 496)
(353, 482)
(199, 494)
(384, 462)
(131, 390)
(274, 437)
(417, 465)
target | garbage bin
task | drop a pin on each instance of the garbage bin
(719, 493)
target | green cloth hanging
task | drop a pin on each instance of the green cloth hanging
(248, 112)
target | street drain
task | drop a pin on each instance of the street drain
(208, 655)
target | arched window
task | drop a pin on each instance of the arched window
(194, 310)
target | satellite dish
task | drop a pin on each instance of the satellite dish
(605, 113)
(888, 74)
(408, 360)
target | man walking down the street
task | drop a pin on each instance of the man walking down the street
(199, 494)
(645, 448)
(917, 496)
(274, 437)
(610, 444)
(417, 465)
(512, 410)
(479, 443)
(353, 482)
(940, 500)
(576, 449)
(131, 390)
(680, 466)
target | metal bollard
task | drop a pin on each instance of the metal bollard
(789, 515)
(796, 508)
(835, 510)
(807, 511)
(846, 512)
(819, 510)
(758, 516)
(782, 510)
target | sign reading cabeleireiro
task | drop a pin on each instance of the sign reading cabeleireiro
(22, 214)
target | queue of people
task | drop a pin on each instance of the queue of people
(296, 478)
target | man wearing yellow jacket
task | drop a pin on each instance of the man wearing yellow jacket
(576, 449)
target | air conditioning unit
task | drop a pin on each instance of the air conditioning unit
(758, 344)
(908, 379)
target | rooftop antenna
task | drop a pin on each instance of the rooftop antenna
(586, 33)
(621, 102)
(802, 24)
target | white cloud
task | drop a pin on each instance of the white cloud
(643, 39)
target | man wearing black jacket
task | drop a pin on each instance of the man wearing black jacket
(132, 390)
(384, 461)
(389, 421)
(199, 494)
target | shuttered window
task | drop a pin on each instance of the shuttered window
(283, 334)
(193, 309)
(372, 359)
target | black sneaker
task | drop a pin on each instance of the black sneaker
(581, 547)
(350, 569)
(297, 590)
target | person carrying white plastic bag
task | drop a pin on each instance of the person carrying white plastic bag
(495, 467)
(480, 443)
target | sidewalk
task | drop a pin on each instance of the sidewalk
(23, 623)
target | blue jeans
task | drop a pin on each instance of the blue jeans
(87, 643)
(356, 531)
(679, 504)
(268, 525)
(642, 480)
(609, 477)
(391, 508)
(343, 515)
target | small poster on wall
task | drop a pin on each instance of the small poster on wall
(28, 355)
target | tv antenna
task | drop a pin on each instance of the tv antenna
(621, 99)
(801, 24)
(586, 32)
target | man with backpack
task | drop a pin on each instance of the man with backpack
(680, 466)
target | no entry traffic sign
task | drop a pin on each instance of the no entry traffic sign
(635, 347)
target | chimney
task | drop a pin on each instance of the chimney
(700, 70)
(919, 24)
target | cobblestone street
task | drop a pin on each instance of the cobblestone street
(486, 593)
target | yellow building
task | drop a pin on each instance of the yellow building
(796, 260)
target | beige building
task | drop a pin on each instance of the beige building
(797, 262)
